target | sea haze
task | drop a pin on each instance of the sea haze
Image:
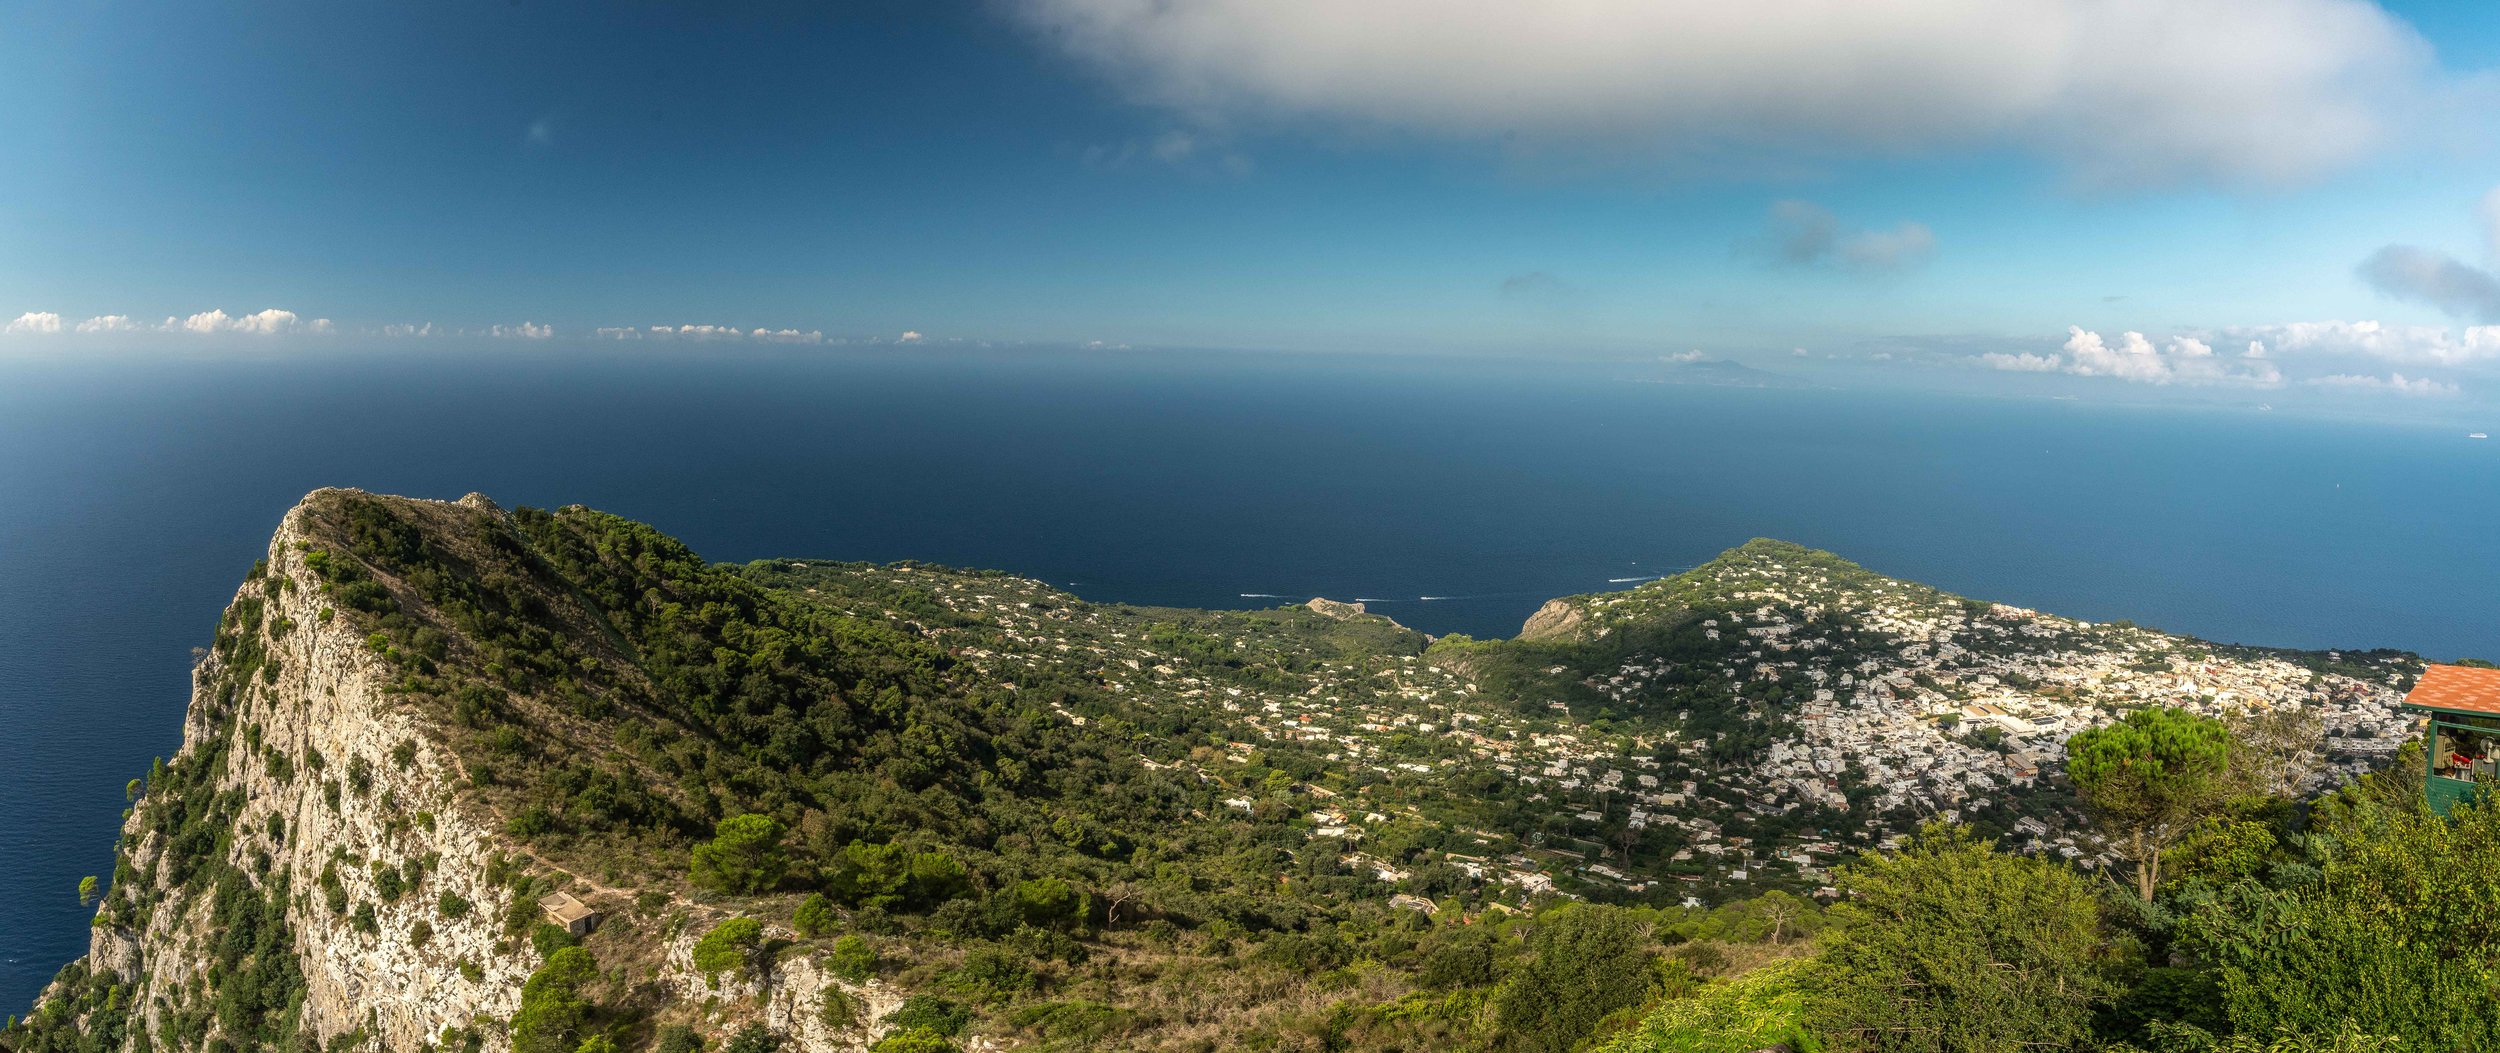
(134, 497)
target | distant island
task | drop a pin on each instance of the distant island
(462, 778)
(1720, 372)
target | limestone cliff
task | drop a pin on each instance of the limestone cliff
(794, 805)
(1558, 619)
(315, 868)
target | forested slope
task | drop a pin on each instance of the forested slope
(830, 805)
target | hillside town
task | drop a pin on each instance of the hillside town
(1746, 724)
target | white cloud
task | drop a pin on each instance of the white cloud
(2022, 362)
(2192, 360)
(2120, 91)
(2428, 344)
(111, 323)
(758, 334)
(409, 329)
(788, 336)
(2186, 360)
(269, 322)
(2392, 384)
(523, 331)
(1683, 357)
(910, 336)
(35, 322)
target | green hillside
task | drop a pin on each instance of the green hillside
(1059, 824)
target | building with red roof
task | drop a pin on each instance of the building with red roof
(2464, 735)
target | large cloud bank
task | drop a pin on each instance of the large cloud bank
(2183, 360)
(2259, 355)
(272, 321)
(2120, 91)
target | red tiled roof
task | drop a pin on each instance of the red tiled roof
(2457, 687)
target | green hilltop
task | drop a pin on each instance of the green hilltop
(1030, 820)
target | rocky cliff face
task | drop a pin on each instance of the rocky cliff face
(313, 870)
(1049, 823)
(338, 797)
(1557, 620)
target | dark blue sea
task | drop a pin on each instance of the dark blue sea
(135, 494)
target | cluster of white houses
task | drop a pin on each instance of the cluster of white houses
(1928, 705)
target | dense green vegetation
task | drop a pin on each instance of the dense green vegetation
(828, 764)
(2147, 779)
(2361, 922)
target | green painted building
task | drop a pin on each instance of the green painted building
(2463, 740)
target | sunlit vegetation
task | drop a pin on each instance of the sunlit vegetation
(839, 765)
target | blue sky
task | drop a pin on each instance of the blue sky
(1903, 187)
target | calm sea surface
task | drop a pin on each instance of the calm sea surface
(133, 499)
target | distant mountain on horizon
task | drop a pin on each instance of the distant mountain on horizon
(1729, 373)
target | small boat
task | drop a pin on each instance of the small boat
(2478, 435)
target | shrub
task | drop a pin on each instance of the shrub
(1049, 903)
(1584, 963)
(866, 875)
(913, 1041)
(553, 1006)
(839, 1010)
(931, 1013)
(532, 822)
(852, 959)
(1084, 1024)
(333, 891)
(814, 917)
(991, 972)
(1458, 958)
(753, 1038)
(1951, 945)
(388, 882)
(743, 857)
(730, 948)
(548, 938)
(2397, 935)
(1759, 1010)
(935, 878)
